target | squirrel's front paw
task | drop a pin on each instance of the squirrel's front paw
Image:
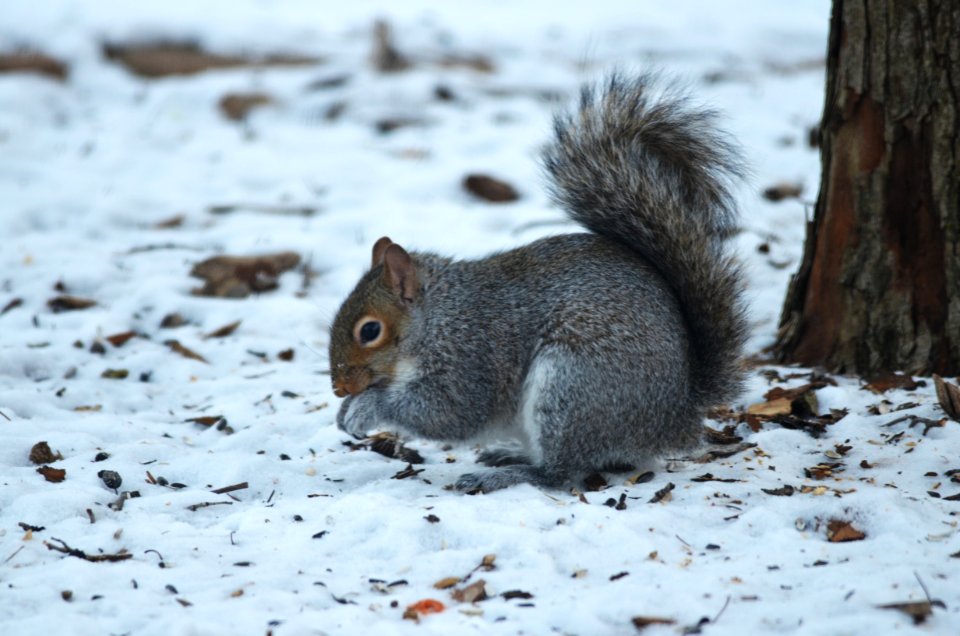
(357, 415)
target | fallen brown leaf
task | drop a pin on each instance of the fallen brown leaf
(948, 395)
(176, 347)
(13, 304)
(823, 470)
(883, 383)
(172, 321)
(33, 62)
(803, 398)
(446, 583)
(207, 420)
(224, 331)
(919, 611)
(777, 406)
(645, 621)
(490, 189)
(840, 531)
(239, 276)
(783, 190)
(160, 59)
(236, 106)
(69, 303)
(170, 223)
(120, 339)
(54, 475)
(40, 453)
(472, 593)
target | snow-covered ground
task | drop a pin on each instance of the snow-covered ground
(328, 540)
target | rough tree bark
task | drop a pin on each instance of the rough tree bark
(879, 286)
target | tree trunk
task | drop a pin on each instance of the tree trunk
(879, 286)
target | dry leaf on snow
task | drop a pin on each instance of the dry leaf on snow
(51, 474)
(490, 189)
(239, 276)
(223, 331)
(840, 531)
(40, 453)
(949, 397)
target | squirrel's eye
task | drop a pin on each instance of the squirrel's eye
(369, 331)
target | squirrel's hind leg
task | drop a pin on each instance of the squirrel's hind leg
(515, 467)
(503, 457)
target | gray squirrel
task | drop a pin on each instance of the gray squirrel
(599, 349)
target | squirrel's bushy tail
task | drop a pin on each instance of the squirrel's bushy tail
(645, 168)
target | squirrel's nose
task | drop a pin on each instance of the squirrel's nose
(343, 388)
(351, 382)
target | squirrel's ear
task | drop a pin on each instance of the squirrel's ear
(378, 249)
(400, 272)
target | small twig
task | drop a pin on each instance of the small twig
(923, 587)
(90, 515)
(226, 489)
(15, 553)
(5, 416)
(162, 563)
(122, 555)
(722, 610)
(916, 419)
(279, 210)
(162, 246)
(31, 528)
(206, 504)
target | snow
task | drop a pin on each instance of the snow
(89, 166)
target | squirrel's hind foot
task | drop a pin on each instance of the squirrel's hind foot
(498, 457)
(497, 478)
